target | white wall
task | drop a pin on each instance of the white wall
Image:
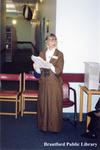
(48, 11)
(99, 27)
(78, 32)
(23, 29)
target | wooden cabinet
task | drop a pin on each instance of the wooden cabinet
(11, 41)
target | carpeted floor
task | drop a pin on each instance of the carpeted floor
(22, 134)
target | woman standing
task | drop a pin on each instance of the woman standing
(50, 88)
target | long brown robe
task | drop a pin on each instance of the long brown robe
(50, 95)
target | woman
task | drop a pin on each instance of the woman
(50, 88)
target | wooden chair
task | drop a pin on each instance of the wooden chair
(67, 101)
(29, 94)
(10, 95)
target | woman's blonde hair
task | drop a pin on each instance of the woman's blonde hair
(51, 35)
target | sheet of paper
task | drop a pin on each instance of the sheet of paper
(41, 63)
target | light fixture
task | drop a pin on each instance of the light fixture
(13, 11)
(10, 6)
(14, 21)
(41, 1)
(47, 25)
(37, 6)
(34, 15)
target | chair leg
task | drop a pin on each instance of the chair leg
(19, 104)
(16, 107)
(75, 115)
(22, 106)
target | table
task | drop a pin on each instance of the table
(89, 97)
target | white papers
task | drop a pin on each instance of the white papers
(40, 62)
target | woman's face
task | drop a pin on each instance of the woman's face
(51, 42)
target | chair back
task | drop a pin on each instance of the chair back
(29, 94)
(68, 101)
(66, 91)
(10, 93)
(28, 78)
(5, 78)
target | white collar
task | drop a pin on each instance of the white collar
(49, 54)
(51, 50)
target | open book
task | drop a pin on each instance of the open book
(40, 62)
